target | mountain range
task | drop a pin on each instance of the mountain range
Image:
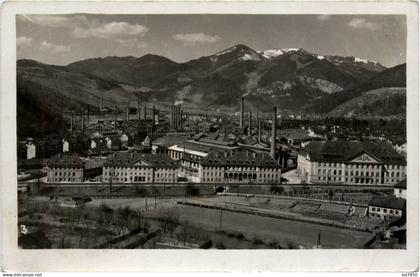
(293, 79)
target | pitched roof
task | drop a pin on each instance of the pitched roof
(65, 161)
(401, 184)
(131, 159)
(293, 134)
(342, 151)
(388, 202)
(239, 158)
(167, 141)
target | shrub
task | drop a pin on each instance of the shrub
(220, 245)
(274, 244)
(276, 189)
(220, 189)
(169, 221)
(206, 245)
(256, 240)
(192, 190)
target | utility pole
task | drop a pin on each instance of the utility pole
(110, 183)
(138, 109)
(138, 219)
(318, 243)
(221, 215)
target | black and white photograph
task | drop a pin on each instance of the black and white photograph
(213, 131)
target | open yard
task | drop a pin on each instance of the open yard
(180, 226)
(286, 232)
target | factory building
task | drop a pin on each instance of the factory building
(190, 153)
(131, 167)
(239, 167)
(353, 163)
(211, 163)
(65, 169)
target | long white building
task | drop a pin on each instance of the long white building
(353, 163)
(130, 167)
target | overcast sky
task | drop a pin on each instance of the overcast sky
(62, 39)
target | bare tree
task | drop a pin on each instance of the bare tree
(169, 221)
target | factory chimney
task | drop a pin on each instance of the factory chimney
(71, 122)
(273, 134)
(138, 109)
(101, 104)
(115, 120)
(83, 124)
(153, 118)
(250, 124)
(175, 117)
(241, 122)
(181, 123)
(88, 113)
(259, 125)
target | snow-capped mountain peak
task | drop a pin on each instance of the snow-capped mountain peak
(272, 53)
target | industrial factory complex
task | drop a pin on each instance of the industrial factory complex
(221, 161)
(162, 147)
(144, 131)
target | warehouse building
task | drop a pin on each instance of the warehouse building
(65, 168)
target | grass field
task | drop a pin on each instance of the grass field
(256, 231)
(284, 231)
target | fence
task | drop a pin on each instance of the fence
(287, 216)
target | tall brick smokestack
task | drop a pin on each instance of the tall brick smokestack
(259, 125)
(83, 124)
(241, 122)
(273, 134)
(181, 123)
(115, 120)
(153, 118)
(138, 109)
(101, 104)
(88, 113)
(250, 124)
(71, 121)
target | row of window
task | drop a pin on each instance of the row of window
(136, 179)
(65, 180)
(211, 174)
(356, 173)
(350, 180)
(125, 173)
(239, 180)
(135, 169)
(384, 210)
(361, 166)
(60, 173)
